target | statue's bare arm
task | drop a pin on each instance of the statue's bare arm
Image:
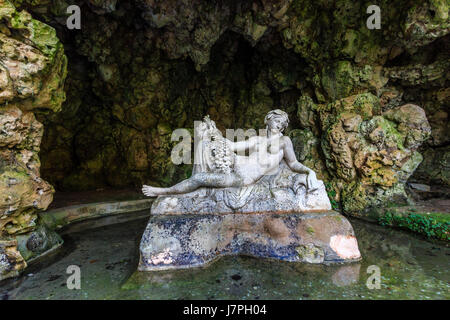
(291, 159)
(296, 166)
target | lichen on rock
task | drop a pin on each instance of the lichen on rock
(370, 154)
(11, 262)
(32, 74)
(33, 64)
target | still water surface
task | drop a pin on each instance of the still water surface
(411, 268)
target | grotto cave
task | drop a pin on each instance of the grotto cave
(91, 111)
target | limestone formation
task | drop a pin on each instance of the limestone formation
(435, 168)
(33, 65)
(32, 72)
(23, 191)
(125, 68)
(11, 261)
(191, 28)
(370, 154)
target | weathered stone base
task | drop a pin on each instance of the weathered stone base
(183, 241)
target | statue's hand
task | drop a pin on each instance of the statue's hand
(312, 181)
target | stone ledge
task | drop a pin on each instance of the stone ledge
(58, 218)
(183, 241)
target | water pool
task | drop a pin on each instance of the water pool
(411, 268)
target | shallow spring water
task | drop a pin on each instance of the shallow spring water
(411, 268)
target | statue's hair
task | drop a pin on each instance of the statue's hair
(277, 113)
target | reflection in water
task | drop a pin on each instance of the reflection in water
(346, 275)
(410, 267)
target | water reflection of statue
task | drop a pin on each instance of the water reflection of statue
(216, 164)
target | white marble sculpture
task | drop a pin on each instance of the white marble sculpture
(263, 204)
(268, 179)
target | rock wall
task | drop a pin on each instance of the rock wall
(126, 96)
(369, 152)
(32, 72)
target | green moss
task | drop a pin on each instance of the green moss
(366, 105)
(432, 225)
(310, 230)
(390, 128)
(354, 199)
(441, 8)
(332, 195)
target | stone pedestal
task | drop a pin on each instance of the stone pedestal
(190, 240)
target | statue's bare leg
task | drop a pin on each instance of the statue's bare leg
(206, 179)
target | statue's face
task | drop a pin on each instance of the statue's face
(276, 124)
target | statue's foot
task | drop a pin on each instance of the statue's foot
(150, 191)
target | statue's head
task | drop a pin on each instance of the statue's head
(276, 120)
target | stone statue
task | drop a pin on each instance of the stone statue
(270, 161)
(264, 204)
(220, 167)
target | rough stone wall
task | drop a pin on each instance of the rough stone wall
(370, 142)
(32, 72)
(191, 28)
